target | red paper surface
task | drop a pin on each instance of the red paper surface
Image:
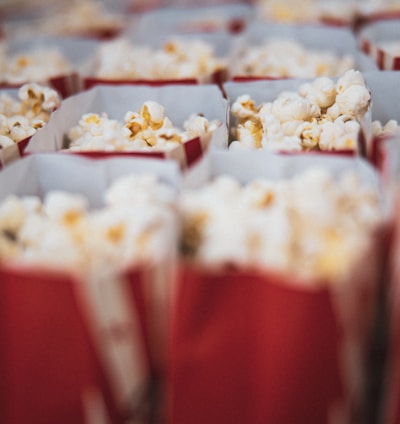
(46, 359)
(248, 348)
(49, 362)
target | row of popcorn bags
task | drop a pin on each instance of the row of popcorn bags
(98, 114)
(88, 259)
(260, 337)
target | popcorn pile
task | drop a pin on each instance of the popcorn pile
(20, 119)
(146, 130)
(321, 115)
(381, 130)
(285, 58)
(310, 225)
(289, 11)
(83, 17)
(35, 66)
(136, 225)
(178, 59)
(308, 11)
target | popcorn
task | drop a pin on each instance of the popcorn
(21, 119)
(310, 225)
(286, 58)
(83, 18)
(149, 129)
(292, 107)
(339, 134)
(321, 92)
(321, 115)
(352, 98)
(135, 225)
(34, 66)
(390, 128)
(309, 11)
(177, 59)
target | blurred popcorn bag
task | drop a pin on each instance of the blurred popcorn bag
(295, 51)
(85, 276)
(54, 62)
(391, 381)
(178, 59)
(380, 40)
(385, 98)
(273, 322)
(179, 122)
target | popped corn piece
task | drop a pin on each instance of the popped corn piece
(68, 209)
(321, 91)
(244, 107)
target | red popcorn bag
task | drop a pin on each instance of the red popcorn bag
(260, 340)
(379, 40)
(390, 402)
(84, 292)
(170, 122)
(23, 113)
(385, 95)
(301, 115)
(61, 360)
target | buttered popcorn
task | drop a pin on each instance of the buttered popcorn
(321, 115)
(309, 225)
(21, 118)
(136, 225)
(285, 58)
(148, 129)
(34, 66)
(178, 58)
